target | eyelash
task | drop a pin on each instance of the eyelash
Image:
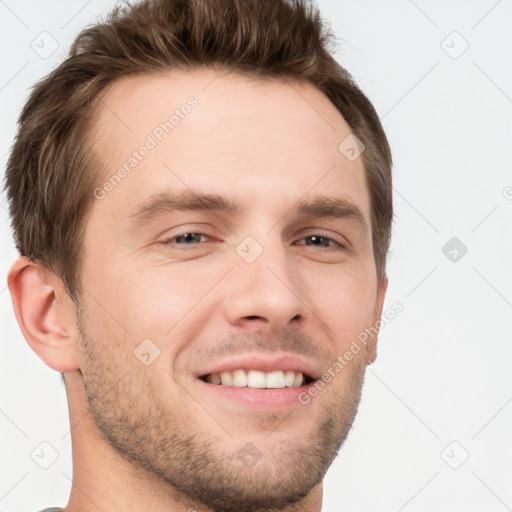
(340, 246)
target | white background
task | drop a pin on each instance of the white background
(443, 371)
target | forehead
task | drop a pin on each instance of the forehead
(214, 132)
(221, 94)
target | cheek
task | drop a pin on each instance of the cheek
(159, 301)
(346, 304)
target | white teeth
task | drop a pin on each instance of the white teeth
(257, 379)
(226, 379)
(239, 379)
(275, 379)
(289, 378)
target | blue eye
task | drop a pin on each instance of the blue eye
(194, 239)
(323, 241)
(187, 238)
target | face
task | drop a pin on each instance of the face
(238, 243)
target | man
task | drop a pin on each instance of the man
(201, 197)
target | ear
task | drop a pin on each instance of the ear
(45, 314)
(371, 352)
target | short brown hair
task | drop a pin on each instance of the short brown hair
(49, 178)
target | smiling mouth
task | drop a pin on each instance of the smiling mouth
(276, 379)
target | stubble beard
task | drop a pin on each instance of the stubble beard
(165, 445)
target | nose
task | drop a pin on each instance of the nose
(265, 294)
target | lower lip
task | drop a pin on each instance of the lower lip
(262, 399)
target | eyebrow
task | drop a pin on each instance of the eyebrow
(335, 208)
(168, 202)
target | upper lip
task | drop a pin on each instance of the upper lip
(264, 363)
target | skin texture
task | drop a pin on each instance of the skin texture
(150, 437)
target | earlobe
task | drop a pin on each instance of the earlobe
(43, 314)
(371, 352)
